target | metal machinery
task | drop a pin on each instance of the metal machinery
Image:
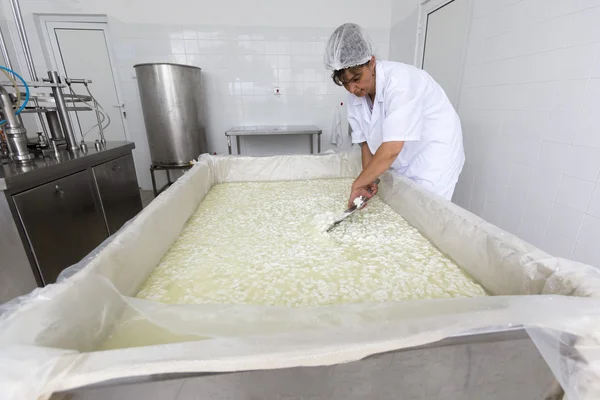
(173, 113)
(59, 198)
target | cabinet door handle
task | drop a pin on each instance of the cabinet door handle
(116, 167)
(59, 190)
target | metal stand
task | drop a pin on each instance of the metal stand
(309, 130)
(167, 169)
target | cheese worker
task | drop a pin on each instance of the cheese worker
(399, 115)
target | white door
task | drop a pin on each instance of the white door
(82, 50)
(444, 27)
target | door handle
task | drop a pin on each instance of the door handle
(121, 107)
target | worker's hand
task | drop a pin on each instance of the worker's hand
(373, 188)
(360, 191)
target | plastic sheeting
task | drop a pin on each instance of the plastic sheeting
(48, 338)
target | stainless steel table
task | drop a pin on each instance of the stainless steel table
(310, 130)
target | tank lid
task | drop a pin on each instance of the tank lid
(166, 63)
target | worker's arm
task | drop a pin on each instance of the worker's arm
(383, 159)
(367, 156)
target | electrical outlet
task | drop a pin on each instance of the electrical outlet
(276, 91)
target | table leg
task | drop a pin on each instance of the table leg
(168, 176)
(319, 144)
(153, 181)
(312, 144)
(237, 143)
(229, 144)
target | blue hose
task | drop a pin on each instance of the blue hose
(26, 91)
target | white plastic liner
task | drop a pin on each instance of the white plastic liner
(48, 338)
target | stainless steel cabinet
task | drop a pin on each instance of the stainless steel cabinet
(56, 210)
(119, 192)
(63, 222)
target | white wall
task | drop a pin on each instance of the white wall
(530, 111)
(244, 48)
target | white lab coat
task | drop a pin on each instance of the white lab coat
(411, 107)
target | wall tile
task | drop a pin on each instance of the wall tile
(493, 213)
(594, 207)
(586, 133)
(575, 193)
(528, 13)
(583, 163)
(545, 185)
(552, 34)
(561, 126)
(553, 157)
(570, 95)
(501, 21)
(518, 188)
(592, 97)
(579, 61)
(557, 8)
(566, 220)
(528, 124)
(533, 96)
(536, 220)
(590, 233)
(585, 27)
(485, 7)
(587, 255)
(558, 246)
(529, 67)
(596, 70)
(549, 64)
(191, 46)
(511, 220)
(584, 4)
(283, 47)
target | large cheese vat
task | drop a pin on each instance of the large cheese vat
(172, 105)
(541, 308)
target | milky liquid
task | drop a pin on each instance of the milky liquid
(264, 243)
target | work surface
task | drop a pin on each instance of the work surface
(42, 169)
(265, 244)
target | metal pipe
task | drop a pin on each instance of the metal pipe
(18, 15)
(81, 81)
(7, 109)
(16, 10)
(97, 109)
(54, 124)
(16, 135)
(4, 50)
(63, 113)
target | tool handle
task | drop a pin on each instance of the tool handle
(376, 181)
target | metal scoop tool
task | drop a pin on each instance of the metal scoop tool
(361, 204)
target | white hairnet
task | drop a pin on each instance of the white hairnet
(347, 47)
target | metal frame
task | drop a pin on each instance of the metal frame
(517, 333)
(553, 391)
(167, 169)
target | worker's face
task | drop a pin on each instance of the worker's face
(360, 81)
